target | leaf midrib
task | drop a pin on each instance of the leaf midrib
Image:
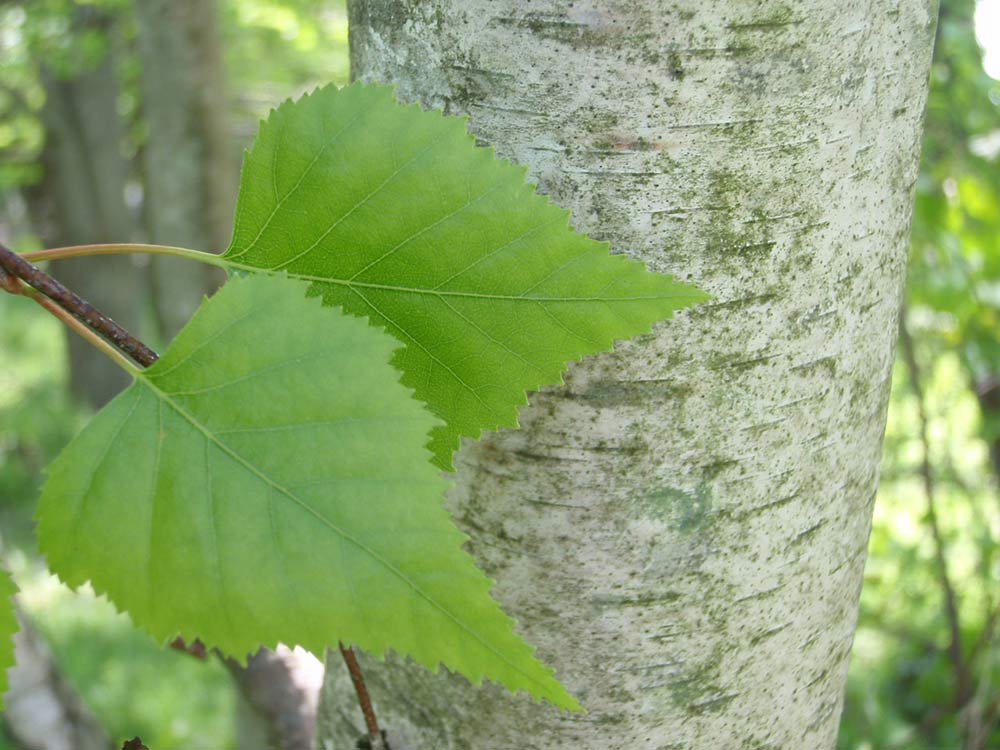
(439, 293)
(209, 435)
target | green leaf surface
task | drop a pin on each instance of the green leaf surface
(267, 480)
(393, 213)
(8, 627)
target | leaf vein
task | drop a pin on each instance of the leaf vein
(679, 296)
(493, 252)
(315, 423)
(165, 398)
(152, 600)
(214, 541)
(298, 183)
(427, 228)
(97, 469)
(355, 207)
(496, 341)
(428, 352)
(159, 373)
(256, 373)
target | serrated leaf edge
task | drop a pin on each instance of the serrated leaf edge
(462, 538)
(695, 296)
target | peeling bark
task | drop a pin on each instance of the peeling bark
(682, 528)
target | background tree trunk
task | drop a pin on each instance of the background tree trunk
(81, 200)
(191, 179)
(42, 711)
(190, 169)
(279, 691)
(681, 529)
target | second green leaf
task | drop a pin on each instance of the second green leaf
(394, 213)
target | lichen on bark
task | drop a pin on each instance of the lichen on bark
(682, 527)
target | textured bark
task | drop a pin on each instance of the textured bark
(682, 528)
(189, 156)
(81, 200)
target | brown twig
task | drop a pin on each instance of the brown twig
(963, 687)
(94, 319)
(375, 735)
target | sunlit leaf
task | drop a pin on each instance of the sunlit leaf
(267, 481)
(394, 213)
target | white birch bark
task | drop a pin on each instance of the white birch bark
(681, 529)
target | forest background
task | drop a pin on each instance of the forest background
(124, 121)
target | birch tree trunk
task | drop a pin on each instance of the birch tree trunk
(682, 528)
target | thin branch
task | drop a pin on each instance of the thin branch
(13, 285)
(375, 735)
(962, 685)
(80, 309)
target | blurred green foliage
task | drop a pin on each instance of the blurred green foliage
(904, 686)
(905, 690)
(273, 49)
(132, 685)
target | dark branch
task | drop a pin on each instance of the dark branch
(94, 319)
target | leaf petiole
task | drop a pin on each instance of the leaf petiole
(119, 359)
(121, 248)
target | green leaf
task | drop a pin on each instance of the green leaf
(8, 626)
(393, 213)
(267, 480)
